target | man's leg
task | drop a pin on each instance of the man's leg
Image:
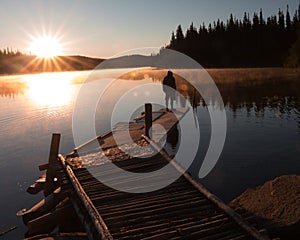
(167, 101)
(172, 99)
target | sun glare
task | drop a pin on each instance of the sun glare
(50, 89)
(46, 47)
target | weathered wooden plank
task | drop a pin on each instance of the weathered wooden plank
(97, 221)
(44, 206)
(236, 217)
(44, 167)
(155, 208)
(188, 232)
(140, 203)
(38, 185)
(60, 236)
(158, 226)
(47, 222)
(2, 233)
(157, 214)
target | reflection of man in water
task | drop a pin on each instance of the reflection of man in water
(172, 138)
(169, 87)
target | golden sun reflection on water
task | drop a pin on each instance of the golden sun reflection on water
(50, 89)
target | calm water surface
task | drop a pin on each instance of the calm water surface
(263, 135)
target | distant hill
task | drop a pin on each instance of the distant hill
(128, 62)
(165, 58)
(19, 63)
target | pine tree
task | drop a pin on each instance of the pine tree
(281, 20)
(179, 34)
(255, 21)
(173, 39)
(261, 18)
(288, 19)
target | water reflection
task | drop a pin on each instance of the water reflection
(55, 89)
(297, 112)
(12, 88)
(49, 90)
(172, 145)
(262, 143)
(45, 90)
(280, 95)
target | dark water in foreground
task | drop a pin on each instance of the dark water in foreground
(263, 134)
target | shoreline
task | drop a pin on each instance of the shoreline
(215, 72)
(275, 206)
(15, 65)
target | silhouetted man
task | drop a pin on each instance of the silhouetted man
(169, 87)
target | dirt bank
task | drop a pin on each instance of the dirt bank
(276, 205)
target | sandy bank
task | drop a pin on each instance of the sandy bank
(276, 205)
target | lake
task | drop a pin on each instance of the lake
(263, 130)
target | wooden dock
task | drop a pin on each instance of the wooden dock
(182, 210)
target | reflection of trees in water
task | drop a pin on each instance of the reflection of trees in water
(258, 95)
(297, 113)
(282, 96)
(12, 89)
(279, 96)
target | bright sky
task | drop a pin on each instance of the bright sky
(105, 28)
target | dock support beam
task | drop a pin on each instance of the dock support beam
(148, 119)
(53, 156)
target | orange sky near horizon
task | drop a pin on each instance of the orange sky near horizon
(105, 28)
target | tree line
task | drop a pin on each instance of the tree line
(251, 42)
(9, 52)
(15, 61)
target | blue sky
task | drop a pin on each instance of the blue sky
(104, 28)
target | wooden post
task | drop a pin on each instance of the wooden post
(148, 118)
(53, 156)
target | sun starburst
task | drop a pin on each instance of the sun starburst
(46, 46)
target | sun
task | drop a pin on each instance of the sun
(46, 47)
